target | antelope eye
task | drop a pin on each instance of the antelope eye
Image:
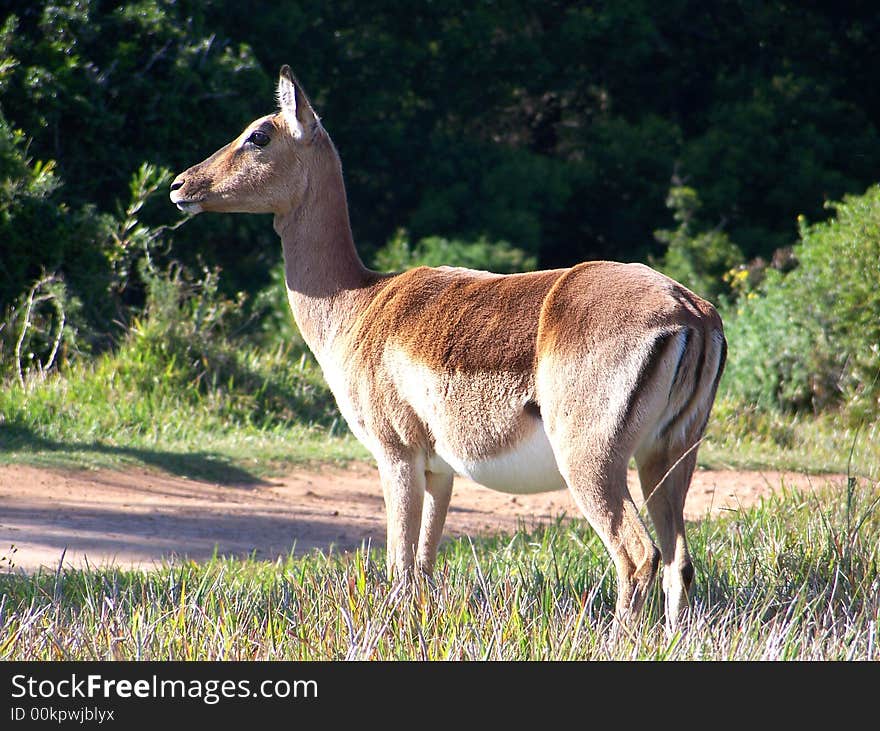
(260, 139)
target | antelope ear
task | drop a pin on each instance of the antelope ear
(295, 105)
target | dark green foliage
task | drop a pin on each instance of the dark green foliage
(39, 232)
(773, 147)
(101, 87)
(809, 338)
(553, 126)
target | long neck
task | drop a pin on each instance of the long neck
(324, 274)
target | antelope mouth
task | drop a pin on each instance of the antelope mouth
(187, 205)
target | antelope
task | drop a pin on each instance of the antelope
(524, 383)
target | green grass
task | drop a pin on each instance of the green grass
(231, 456)
(184, 390)
(273, 411)
(741, 437)
(793, 579)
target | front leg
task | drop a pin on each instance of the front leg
(403, 484)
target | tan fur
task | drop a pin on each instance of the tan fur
(545, 379)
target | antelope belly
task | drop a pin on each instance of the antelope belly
(527, 467)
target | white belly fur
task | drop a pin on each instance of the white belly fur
(527, 467)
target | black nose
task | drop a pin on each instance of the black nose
(176, 185)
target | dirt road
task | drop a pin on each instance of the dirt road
(136, 518)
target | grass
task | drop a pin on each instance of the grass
(108, 414)
(793, 579)
(740, 437)
(185, 390)
(236, 456)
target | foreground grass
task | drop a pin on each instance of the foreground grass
(796, 578)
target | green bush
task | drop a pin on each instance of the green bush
(41, 330)
(271, 309)
(98, 88)
(399, 254)
(190, 343)
(43, 310)
(698, 260)
(811, 338)
(86, 283)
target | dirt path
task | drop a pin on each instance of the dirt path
(136, 518)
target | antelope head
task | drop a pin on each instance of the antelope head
(263, 170)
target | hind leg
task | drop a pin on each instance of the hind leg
(665, 502)
(604, 499)
(582, 422)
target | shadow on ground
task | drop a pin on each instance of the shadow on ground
(194, 465)
(105, 536)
